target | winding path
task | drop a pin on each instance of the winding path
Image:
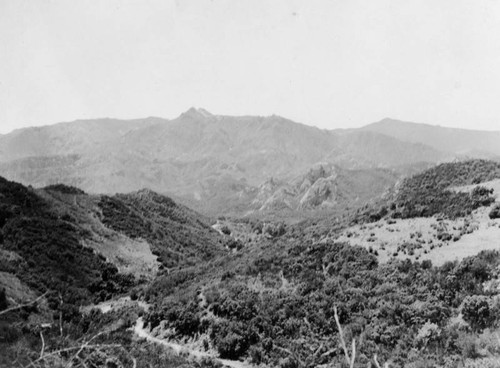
(140, 331)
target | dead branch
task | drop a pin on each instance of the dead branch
(82, 347)
(293, 354)
(386, 365)
(20, 306)
(66, 350)
(349, 359)
(60, 314)
(43, 344)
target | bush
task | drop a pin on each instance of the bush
(476, 311)
(65, 189)
(232, 339)
(225, 230)
(495, 212)
(184, 319)
(3, 300)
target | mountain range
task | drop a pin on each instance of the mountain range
(134, 272)
(223, 163)
(473, 143)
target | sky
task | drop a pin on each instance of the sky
(328, 63)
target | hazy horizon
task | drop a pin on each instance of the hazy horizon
(329, 64)
(222, 114)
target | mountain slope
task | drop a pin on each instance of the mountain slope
(78, 137)
(198, 156)
(62, 250)
(441, 214)
(324, 186)
(88, 247)
(480, 144)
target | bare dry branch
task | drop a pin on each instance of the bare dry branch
(65, 350)
(341, 334)
(60, 314)
(82, 347)
(353, 356)
(386, 365)
(43, 344)
(20, 306)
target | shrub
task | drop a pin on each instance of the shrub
(225, 230)
(444, 236)
(495, 212)
(231, 339)
(476, 311)
(65, 189)
(3, 300)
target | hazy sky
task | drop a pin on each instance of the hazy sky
(326, 63)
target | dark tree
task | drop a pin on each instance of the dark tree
(3, 300)
(476, 312)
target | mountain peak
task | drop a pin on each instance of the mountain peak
(198, 113)
(389, 121)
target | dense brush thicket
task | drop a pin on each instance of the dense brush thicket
(272, 301)
(41, 245)
(429, 193)
(178, 236)
(65, 189)
(52, 257)
(278, 308)
(50, 260)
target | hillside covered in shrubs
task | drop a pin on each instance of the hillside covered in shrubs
(276, 306)
(273, 303)
(430, 192)
(47, 271)
(177, 235)
(267, 293)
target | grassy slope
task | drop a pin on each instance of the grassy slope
(440, 214)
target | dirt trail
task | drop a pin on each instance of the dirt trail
(115, 304)
(140, 331)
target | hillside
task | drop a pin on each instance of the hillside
(64, 249)
(428, 193)
(409, 290)
(212, 162)
(473, 143)
(273, 303)
(441, 214)
(265, 293)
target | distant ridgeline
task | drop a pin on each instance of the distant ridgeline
(213, 163)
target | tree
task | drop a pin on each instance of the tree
(476, 312)
(3, 300)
